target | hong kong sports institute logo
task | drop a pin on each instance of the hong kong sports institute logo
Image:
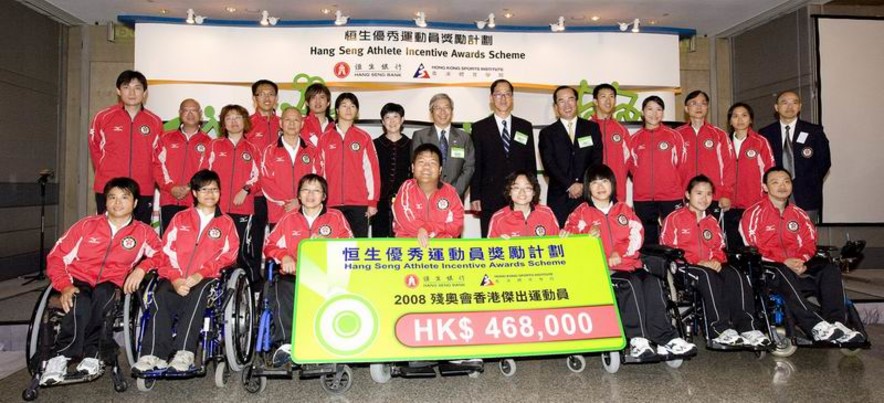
(421, 72)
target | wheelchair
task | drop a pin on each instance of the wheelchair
(43, 330)
(383, 372)
(225, 339)
(662, 262)
(785, 335)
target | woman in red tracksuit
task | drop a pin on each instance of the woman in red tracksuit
(754, 158)
(283, 165)
(639, 294)
(425, 207)
(200, 242)
(349, 162)
(524, 216)
(312, 220)
(656, 157)
(727, 295)
(238, 163)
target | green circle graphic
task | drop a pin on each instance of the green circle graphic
(346, 323)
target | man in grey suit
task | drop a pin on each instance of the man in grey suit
(458, 155)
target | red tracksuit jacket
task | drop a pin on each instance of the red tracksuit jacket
(237, 166)
(656, 158)
(700, 241)
(754, 160)
(186, 250)
(441, 215)
(88, 252)
(615, 144)
(293, 228)
(350, 165)
(280, 175)
(312, 130)
(176, 159)
(709, 152)
(621, 231)
(122, 146)
(779, 236)
(265, 131)
(541, 221)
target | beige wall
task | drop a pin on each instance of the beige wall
(706, 68)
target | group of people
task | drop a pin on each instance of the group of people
(315, 177)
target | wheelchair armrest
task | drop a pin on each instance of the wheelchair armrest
(663, 251)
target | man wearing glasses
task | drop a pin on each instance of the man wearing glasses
(265, 131)
(504, 144)
(458, 155)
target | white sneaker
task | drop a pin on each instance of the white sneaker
(149, 363)
(89, 366)
(56, 369)
(640, 348)
(850, 335)
(825, 331)
(182, 361)
(282, 355)
(729, 337)
(755, 338)
(677, 346)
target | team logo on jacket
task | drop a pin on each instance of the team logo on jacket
(707, 235)
(664, 146)
(246, 156)
(325, 230)
(305, 159)
(708, 143)
(751, 154)
(792, 226)
(617, 138)
(442, 204)
(145, 130)
(214, 233)
(355, 146)
(622, 220)
(128, 243)
(807, 152)
(539, 230)
(200, 148)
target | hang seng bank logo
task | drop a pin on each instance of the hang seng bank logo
(342, 70)
(421, 72)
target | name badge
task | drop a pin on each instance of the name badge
(802, 137)
(521, 138)
(584, 142)
(457, 152)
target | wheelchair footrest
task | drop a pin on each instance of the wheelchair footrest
(416, 370)
(463, 368)
(316, 370)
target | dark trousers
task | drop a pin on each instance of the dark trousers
(652, 214)
(143, 209)
(485, 215)
(355, 216)
(822, 279)
(166, 307)
(248, 258)
(166, 214)
(382, 222)
(732, 219)
(88, 322)
(727, 298)
(282, 297)
(642, 306)
(259, 231)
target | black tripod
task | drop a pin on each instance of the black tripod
(41, 275)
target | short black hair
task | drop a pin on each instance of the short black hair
(204, 177)
(313, 178)
(730, 114)
(562, 87)
(392, 108)
(502, 81)
(126, 184)
(344, 97)
(316, 89)
(597, 172)
(698, 180)
(693, 94)
(511, 180)
(264, 82)
(600, 87)
(772, 170)
(426, 147)
(127, 76)
(655, 99)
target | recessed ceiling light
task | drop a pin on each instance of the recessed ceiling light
(230, 9)
(595, 18)
(326, 11)
(164, 11)
(652, 22)
(507, 13)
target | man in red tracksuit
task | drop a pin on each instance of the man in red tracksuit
(178, 156)
(709, 152)
(122, 140)
(318, 120)
(283, 165)
(265, 131)
(200, 242)
(785, 235)
(615, 136)
(312, 220)
(87, 266)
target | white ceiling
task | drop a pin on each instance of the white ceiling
(705, 16)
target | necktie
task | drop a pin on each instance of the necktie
(443, 146)
(506, 139)
(788, 157)
(571, 131)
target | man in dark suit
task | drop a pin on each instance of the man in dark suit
(567, 147)
(808, 157)
(458, 155)
(504, 144)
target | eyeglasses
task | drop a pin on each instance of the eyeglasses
(500, 95)
(209, 190)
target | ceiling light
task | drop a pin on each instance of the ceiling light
(192, 18)
(326, 11)
(595, 18)
(507, 14)
(421, 19)
(558, 26)
(230, 9)
(267, 20)
(340, 18)
(635, 23)
(481, 24)
(164, 11)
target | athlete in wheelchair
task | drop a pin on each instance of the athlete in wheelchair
(794, 270)
(75, 315)
(195, 304)
(273, 344)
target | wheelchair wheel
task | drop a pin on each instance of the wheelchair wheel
(238, 318)
(133, 310)
(783, 346)
(29, 394)
(41, 322)
(222, 374)
(576, 363)
(252, 383)
(144, 384)
(507, 367)
(380, 373)
(675, 363)
(611, 361)
(337, 385)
